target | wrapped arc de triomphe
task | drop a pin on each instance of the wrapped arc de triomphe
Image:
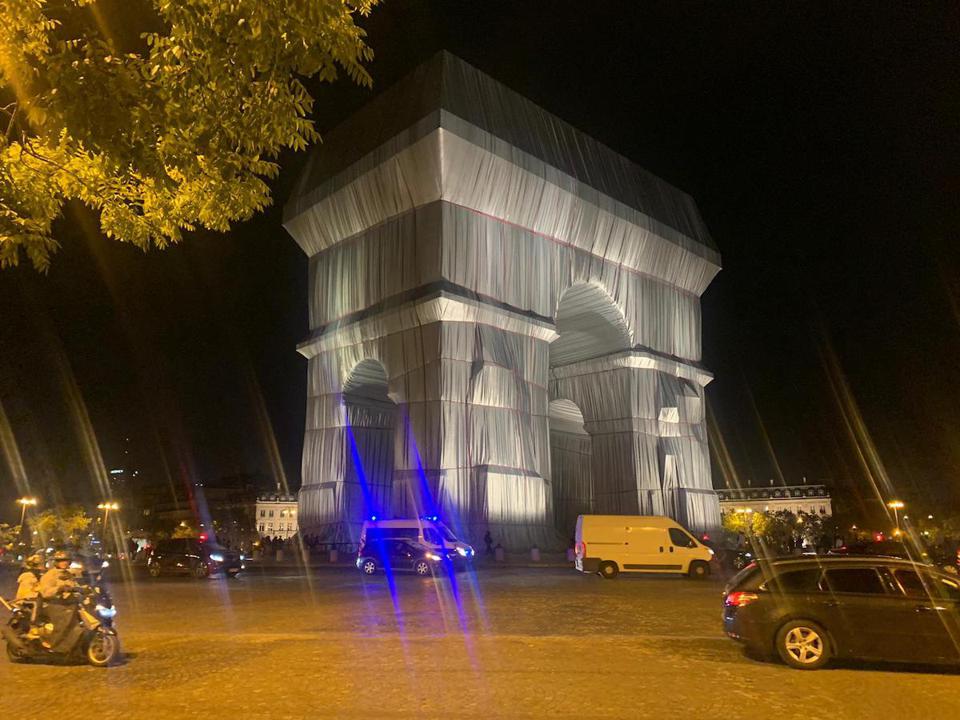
(504, 321)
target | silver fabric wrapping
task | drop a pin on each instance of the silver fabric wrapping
(465, 271)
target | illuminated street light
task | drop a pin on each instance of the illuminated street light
(107, 507)
(896, 506)
(24, 502)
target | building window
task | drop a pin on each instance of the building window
(271, 513)
(261, 527)
(263, 513)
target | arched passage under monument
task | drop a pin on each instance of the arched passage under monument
(571, 458)
(370, 428)
(590, 326)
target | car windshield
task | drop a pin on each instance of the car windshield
(445, 532)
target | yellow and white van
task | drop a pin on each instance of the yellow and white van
(611, 544)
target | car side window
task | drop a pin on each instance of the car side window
(911, 582)
(680, 539)
(865, 581)
(949, 587)
(915, 585)
(432, 536)
(796, 581)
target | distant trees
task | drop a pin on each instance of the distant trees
(64, 525)
(9, 534)
(779, 530)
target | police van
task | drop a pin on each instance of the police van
(429, 531)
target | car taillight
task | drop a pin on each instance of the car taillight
(581, 550)
(740, 599)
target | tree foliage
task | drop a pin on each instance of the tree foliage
(169, 128)
(9, 534)
(61, 525)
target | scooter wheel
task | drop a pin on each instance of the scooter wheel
(13, 655)
(103, 649)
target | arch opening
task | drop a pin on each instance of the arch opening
(370, 427)
(571, 461)
(589, 324)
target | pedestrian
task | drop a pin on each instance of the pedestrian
(488, 541)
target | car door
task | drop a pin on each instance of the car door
(855, 606)
(176, 558)
(160, 554)
(927, 625)
(401, 555)
(682, 548)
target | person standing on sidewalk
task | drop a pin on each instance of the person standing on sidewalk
(488, 541)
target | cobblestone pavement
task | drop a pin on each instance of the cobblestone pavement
(545, 643)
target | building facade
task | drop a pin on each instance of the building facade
(276, 516)
(814, 499)
(504, 321)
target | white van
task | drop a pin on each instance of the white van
(429, 531)
(611, 544)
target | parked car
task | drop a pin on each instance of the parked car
(402, 554)
(611, 544)
(195, 557)
(809, 611)
(894, 548)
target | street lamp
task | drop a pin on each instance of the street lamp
(24, 502)
(896, 506)
(107, 507)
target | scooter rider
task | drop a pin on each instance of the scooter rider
(59, 605)
(28, 583)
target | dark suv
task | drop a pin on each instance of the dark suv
(401, 554)
(195, 557)
(811, 610)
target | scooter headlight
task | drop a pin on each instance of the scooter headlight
(106, 612)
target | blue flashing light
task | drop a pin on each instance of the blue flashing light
(373, 518)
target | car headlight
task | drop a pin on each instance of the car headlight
(106, 612)
(433, 556)
(462, 552)
(216, 557)
(710, 550)
(242, 556)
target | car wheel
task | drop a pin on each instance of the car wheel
(368, 567)
(421, 568)
(699, 570)
(154, 570)
(201, 571)
(233, 574)
(608, 570)
(803, 644)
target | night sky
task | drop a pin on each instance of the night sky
(819, 139)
